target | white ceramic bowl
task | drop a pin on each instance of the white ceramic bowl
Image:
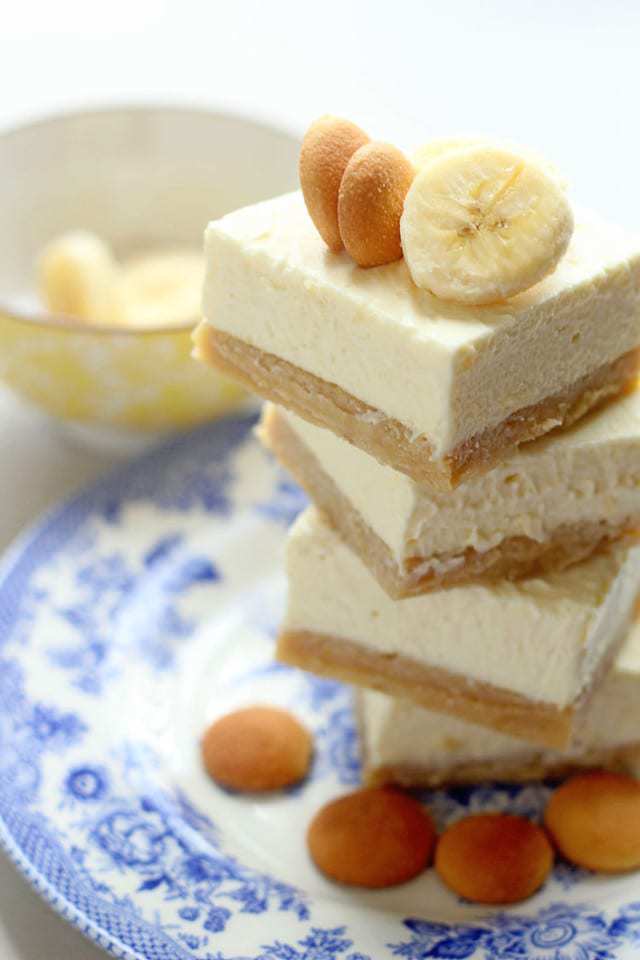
(138, 177)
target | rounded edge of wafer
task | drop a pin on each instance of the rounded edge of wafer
(326, 149)
(256, 749)
(370, 203)
(494, 858)
(374, 837)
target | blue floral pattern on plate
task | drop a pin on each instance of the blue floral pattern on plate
(129, 618)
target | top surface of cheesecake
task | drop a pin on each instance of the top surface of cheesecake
(445, 372)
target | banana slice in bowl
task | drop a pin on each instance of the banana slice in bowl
(77, 276)
(107, 352)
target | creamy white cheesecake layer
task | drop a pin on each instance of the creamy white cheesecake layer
(444, 370)
(398, 733)
(541, 638)
(587, 473)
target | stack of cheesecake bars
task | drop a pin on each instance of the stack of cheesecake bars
(469, 563)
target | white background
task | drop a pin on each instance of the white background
(562, 77)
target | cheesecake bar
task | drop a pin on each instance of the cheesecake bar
(520, 657)
(550, 504)
(435, 389)
(406, 744)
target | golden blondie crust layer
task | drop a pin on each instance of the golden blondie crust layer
(436, 689)
(513, 559)
(620, 759)
(385, 438)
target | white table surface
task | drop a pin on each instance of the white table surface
(562, 76)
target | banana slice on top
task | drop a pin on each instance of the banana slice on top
(482, 223)
(433, 149)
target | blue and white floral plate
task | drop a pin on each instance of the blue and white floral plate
(129, 619)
